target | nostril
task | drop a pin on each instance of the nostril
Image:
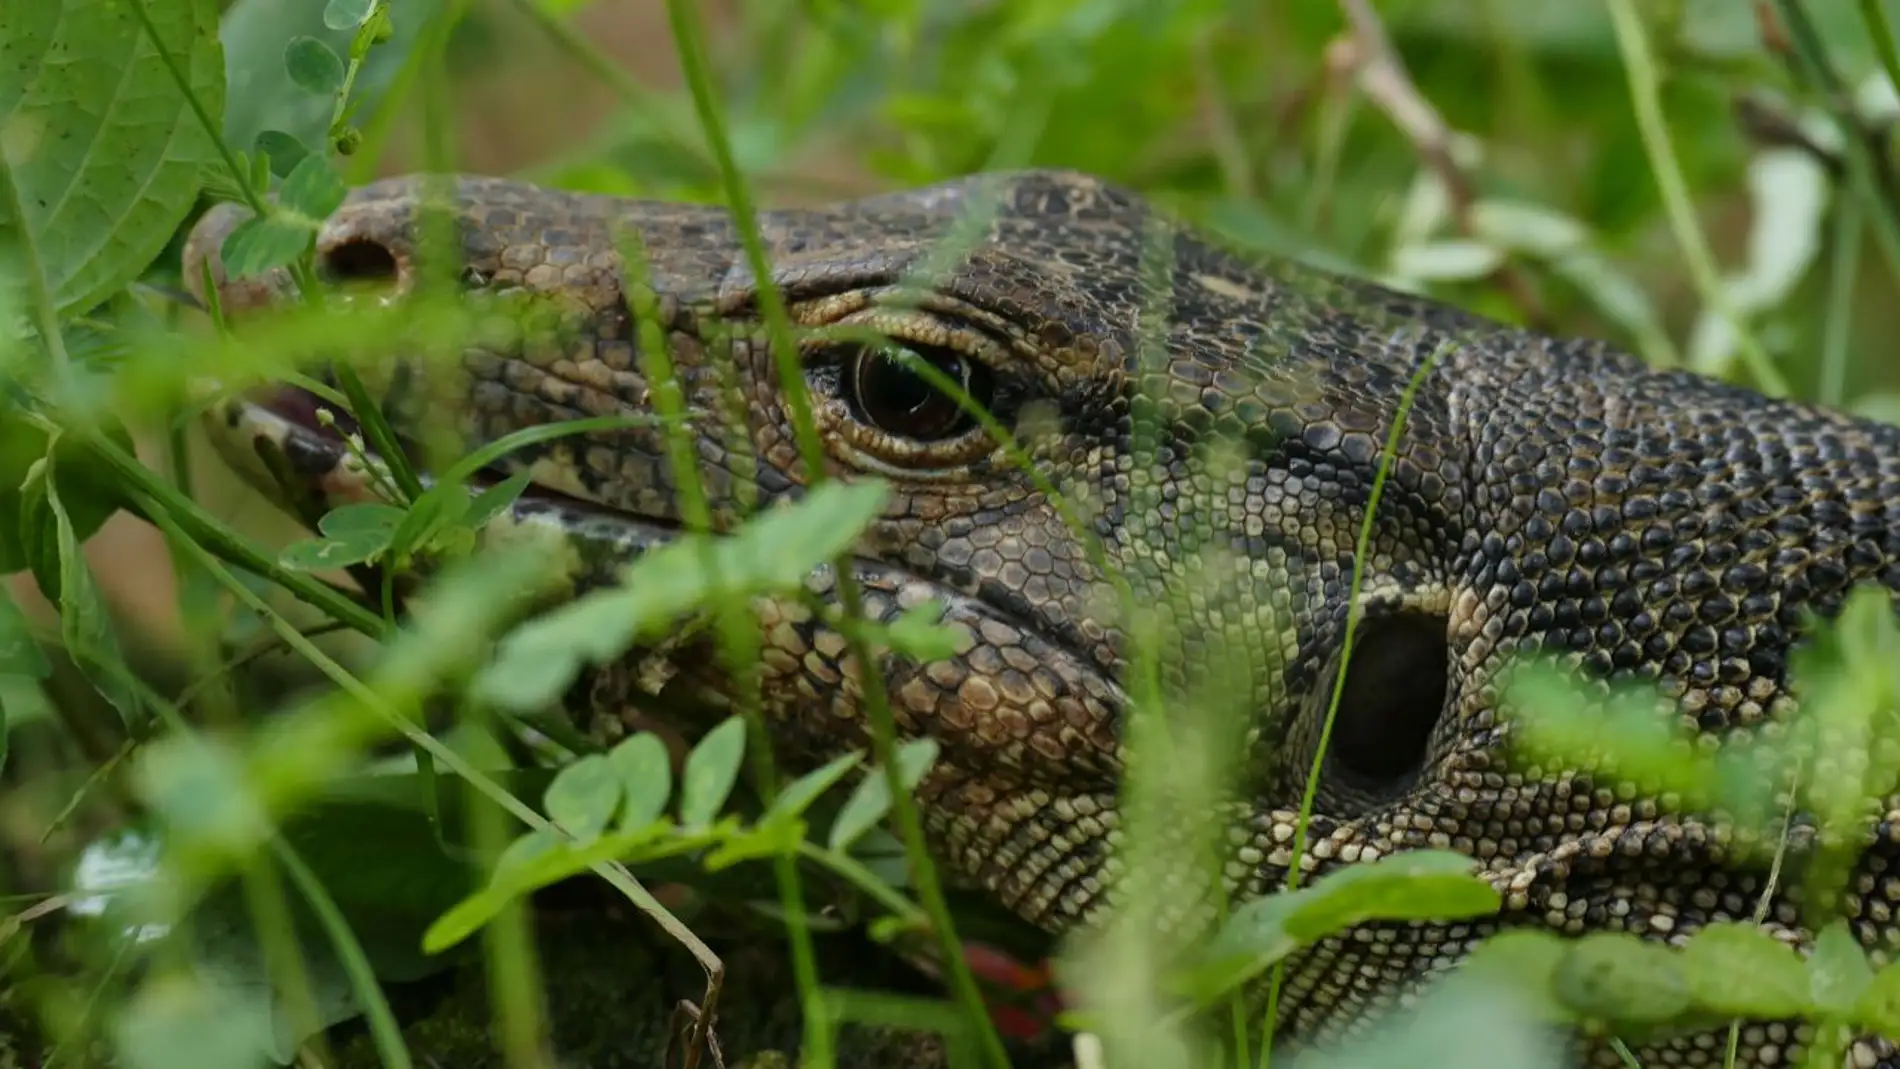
(359, 262)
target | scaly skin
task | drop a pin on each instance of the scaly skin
(1546, 494)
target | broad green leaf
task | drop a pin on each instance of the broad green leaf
(1838, 973)
(347, 14)
(199, 787)
(495, 500)
(22, 666)
(22, 701)
(1415, 885)
(711, 770)
(1525, 960)
(88, 489)
(1254, 937)
(20, 655)
(770, 553)
(313, 188)
(1714, 957)
(798, 795)
(104, 151)
(259, 244)
(1616, 976)
(584, 797)
(871, 800)
(313, 65)
(179, 1019)
(645, 771)
(85, 623)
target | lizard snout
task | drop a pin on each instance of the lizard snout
(206, 276)
(358, 249)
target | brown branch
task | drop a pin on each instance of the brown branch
(1769, 127)
(1383, 78)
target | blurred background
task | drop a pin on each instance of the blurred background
(1485, 151)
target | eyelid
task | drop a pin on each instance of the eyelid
(910, 329)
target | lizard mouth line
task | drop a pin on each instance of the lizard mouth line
(298, 441)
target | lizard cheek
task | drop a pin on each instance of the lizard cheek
(1394, 693)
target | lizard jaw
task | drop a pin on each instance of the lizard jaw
(277, 442)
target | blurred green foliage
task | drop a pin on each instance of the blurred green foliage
(1286, 128)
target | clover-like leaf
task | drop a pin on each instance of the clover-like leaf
(871, 800)
(1838, 973)
(313, 65)
(1616, 976)
(260, 244)
(711, 770)
(645, 771)
(1715, 956)
(770, 553)
(313, 189)
(347, 14)
(797, 796)
(584, 797)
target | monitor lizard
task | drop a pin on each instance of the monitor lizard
(1546, 493)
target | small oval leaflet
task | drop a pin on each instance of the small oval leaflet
(347, 14)
(645, 772)
(1838, 973)
(584, 797)
(798, 795)
(284, 151)
(711, 770)
(313, 65)
(258, 245)
(872, 798)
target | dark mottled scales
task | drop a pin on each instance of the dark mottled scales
(1551, 494)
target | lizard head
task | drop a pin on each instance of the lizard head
(1215, 426)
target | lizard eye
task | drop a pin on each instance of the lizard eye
(896, 399)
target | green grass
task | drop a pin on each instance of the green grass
(1599, 185)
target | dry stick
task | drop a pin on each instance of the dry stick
(1383, 78)
(1768, 125)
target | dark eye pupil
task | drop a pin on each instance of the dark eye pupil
(898, 400)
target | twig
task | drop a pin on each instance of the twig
(1224, 134)
(1770, 127)
(1869, 170)
(1382, 76)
